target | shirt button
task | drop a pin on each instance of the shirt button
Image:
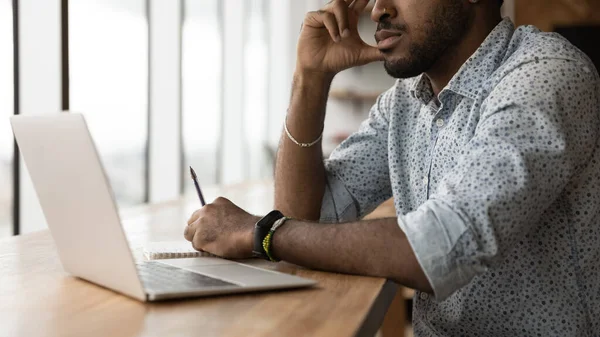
(425, 181)
(424, 296)
(439, 123)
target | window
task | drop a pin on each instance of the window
(259, 157)
(6, 109)
(201, 89)
(108, 55)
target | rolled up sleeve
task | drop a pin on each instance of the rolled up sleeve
(338, 204)
(357, 170)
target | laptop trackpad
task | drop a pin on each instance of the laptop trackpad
(186, 263)
(243, 275)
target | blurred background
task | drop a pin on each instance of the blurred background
(169, 83)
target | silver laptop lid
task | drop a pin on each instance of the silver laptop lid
(77, 200)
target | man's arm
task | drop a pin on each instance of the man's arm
(299, 173)
(373, 248)
(329, 43)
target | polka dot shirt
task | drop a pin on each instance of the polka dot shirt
(496, 184)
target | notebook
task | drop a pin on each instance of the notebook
(171, 250)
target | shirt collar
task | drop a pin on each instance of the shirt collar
(470, 78)
(421, 89)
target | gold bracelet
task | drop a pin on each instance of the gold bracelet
(304, 145)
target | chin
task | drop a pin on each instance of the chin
(399, 68)
(405, 65)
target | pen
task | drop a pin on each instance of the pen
(195, 179)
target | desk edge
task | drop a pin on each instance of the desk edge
(377, 312)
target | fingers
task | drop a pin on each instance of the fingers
(194, 216)
(201, 234)
(221, 201)
(199, 212)
(206, 209)
(197, 241)
(194, 223)
(188, 232)
(335, 17)
(200, 222)
(358, 6)
(340, 11)
(326, 19)
(196, 233)
(370, 54)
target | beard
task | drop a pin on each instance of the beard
(442, 31)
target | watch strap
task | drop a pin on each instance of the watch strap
(261, 230)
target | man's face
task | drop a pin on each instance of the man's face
(414, 34)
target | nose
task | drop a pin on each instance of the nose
(382, 10)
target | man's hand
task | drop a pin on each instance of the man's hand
(329, 41)
(222, 229)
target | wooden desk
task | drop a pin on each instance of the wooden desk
(37, 298)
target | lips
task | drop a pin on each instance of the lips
(387, 39)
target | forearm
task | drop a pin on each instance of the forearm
(299, 172)
(374, 248)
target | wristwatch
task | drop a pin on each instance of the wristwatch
(261, 230)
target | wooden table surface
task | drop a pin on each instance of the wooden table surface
(37, 298)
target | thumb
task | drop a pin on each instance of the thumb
(370, 54)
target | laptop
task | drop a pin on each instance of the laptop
(80, 209)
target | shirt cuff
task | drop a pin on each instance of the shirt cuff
(338, 204)
(436, 234)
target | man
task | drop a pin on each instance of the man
(489, 144)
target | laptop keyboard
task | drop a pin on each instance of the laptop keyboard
(159, 278)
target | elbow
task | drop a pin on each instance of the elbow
(415, 279)
(301, 211)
